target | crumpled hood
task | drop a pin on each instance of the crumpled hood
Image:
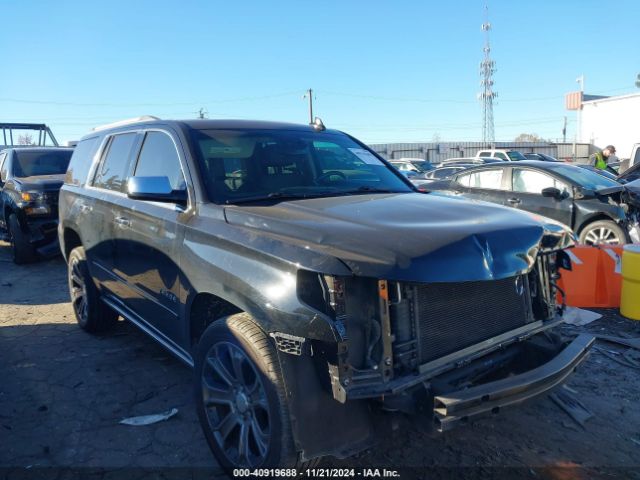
(41, 182)
(411, 236)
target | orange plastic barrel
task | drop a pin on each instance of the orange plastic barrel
(630, 297)
(594, 280)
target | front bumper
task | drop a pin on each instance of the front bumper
(459, 406)
(43, 235)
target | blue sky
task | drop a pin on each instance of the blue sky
(381, 70)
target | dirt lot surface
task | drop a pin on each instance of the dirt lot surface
(63, 392)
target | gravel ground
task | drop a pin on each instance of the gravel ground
(63, 392)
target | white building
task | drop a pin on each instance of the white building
(611, 121)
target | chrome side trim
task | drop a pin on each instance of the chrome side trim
(148, 329)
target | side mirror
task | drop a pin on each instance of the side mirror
(154, 189)
(552, 192)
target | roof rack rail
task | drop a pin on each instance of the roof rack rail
(128, 121)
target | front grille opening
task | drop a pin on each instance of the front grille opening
(452, 316)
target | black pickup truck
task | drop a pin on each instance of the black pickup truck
(30, 181)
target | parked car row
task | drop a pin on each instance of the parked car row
(598, 209)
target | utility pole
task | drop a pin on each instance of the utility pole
(202, 113)
(580, 80)
(309, 94)
(564, 130)
(487, 95)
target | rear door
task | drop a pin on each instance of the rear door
(526, 194)
(149, 236)
(3, 176)
(487, 184)
(101, 209)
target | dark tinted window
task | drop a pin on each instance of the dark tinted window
(81, 161)
(29, 163)
(514, 155)
(159, 158)
(443, 172)
(113, 169)
(242, 165)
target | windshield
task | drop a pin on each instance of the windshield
(422, 166)
(255, 165)
(515, 155)
(583, 177)
(33, 163)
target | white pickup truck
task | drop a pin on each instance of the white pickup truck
(634, 159)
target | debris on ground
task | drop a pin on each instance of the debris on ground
(617, 357)
(149, 419)
(572, 406)
(633, 342)
(579, 317)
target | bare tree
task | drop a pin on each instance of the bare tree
(26, 139)
(529, 137)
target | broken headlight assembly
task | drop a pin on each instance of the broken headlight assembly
(34, 203)
(359, 310)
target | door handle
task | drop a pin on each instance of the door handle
(123, 222)
(85, 208)
(514, 201)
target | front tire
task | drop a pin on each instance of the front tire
(602, 232)
(240, 397)
(91, 313)
(21, 250)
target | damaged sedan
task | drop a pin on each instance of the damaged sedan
(311, 287)
(598, 209)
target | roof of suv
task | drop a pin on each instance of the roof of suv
(35, 149)
(204, 124)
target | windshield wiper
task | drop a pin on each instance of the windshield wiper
(367, 189)
(277, 196)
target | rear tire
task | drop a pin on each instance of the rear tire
(241, 399)
(21, 249)
(602, 232)
(92, 315)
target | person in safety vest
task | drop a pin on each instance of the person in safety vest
(601, 158)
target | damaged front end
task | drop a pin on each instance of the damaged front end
(455, 349)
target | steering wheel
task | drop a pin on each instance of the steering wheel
(329, 174)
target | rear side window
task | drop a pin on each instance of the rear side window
(113, 170)
(488, 179)
(531, 181)
(159, 158)
(81, 161)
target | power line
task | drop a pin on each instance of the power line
(170, 104)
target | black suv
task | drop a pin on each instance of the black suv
(308, 283)
(30, 180)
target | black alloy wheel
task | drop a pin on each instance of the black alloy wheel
(236, 405)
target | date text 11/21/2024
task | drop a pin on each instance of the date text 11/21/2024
(316, 473)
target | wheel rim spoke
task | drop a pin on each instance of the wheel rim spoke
(260, 437)
(236, 363)
(236, 405)
(243, 445)
(227, 424)
(221, 370)
(602, 236)
(215, 395)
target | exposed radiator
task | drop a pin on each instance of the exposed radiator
(451, 316)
